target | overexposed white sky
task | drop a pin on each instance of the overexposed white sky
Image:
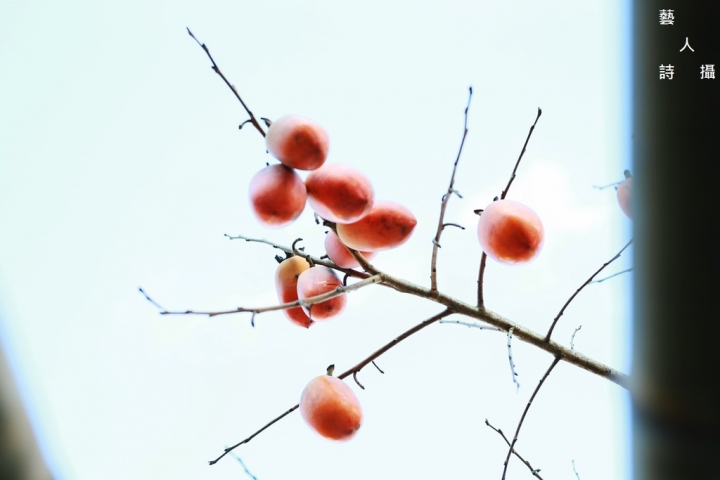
(121, 165)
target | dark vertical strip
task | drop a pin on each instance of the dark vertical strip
(676, 150)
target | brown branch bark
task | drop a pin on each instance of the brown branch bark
(443, 206)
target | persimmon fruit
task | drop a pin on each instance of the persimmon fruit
(286, 279)
(316, 281)
(331, 408)
(510, 232)
(624, 194)
(298, 142)
(340, 255)
(339, 193)
(277, 195)
(387, 225)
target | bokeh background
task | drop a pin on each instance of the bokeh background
(121, 165)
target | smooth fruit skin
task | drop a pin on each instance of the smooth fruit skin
(339, 193)
(340, 255)
(624, 195)
(331, 408)
(286, 278)
(387, 225)
(277, 195)
(316, 281)
(298, 142)
(510, 232)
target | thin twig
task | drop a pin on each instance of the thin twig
(283, 306)
(522, 419)
(562, 310)
(522, 152)
(244, 466)
(481, 276)
(441, 225)
(491, 318)
(231, 86)
(603, 187)
(471, 325)
(613, 275)
(147, 297)
(535, 472)
(577, 475)
(572, 339)
(378, 368)
(351, 371)
(512, 364)
(290, 252)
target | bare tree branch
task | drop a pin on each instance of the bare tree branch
(522, 152)
(216, 69)
(486, 316)
(481, 276)
(352, 371)
(535, 472)
(446, 198)
(572, 297)
(283, 306)
(522, 419)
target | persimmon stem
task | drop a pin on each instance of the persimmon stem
(216, 69)
(443, 206)
(572, 297)
(522, 419)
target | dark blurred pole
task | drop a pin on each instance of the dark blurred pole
(20, 458)
(676, 149)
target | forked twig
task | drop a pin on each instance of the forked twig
(215, 68)
(522, 419)
(441, 225)
(352, 371)
(535, 472)
(290, 252)
(572, 297)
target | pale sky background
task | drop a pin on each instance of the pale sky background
(121, 165)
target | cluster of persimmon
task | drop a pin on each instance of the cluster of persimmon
(344, 196)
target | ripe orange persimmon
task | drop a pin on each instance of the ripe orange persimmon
(331, 408)
(286, 279)
(316, 281)
(338, 253)
(339, 193)
(277, 195)
(624, 194)
(510, 232)
(298, 142)
(387, 225)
